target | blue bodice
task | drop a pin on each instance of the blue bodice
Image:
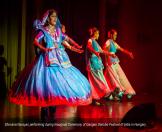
(113, 49)
(96, 62)
(57, 56)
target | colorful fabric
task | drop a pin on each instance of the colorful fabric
(114, 74)
(54, 83)
(96, 62)
(95, 74)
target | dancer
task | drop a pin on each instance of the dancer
(114, 74)
(95, 67)
(50, 79)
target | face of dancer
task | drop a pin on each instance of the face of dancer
(96, 35)
(53, 19)
(114, 36)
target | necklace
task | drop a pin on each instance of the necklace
(51, 31)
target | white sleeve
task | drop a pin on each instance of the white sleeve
(89, 40)
(107, 44)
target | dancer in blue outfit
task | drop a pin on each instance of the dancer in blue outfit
(50, 79)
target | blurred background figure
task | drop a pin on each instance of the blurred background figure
(3, 64)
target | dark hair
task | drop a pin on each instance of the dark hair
(51, 11)
(92, 31)
(111, 32)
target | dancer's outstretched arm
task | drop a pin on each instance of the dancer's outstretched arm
(130, 54)
(67, 45)
(90, 48)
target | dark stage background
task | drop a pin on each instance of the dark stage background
(139, 23)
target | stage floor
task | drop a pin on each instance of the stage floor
(92, 118)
